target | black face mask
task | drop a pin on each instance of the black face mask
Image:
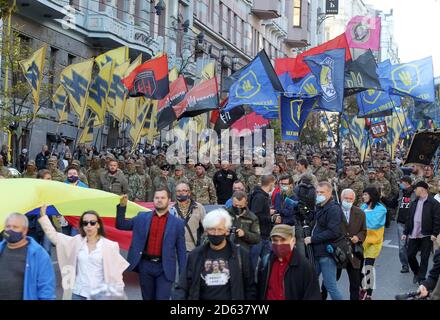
(216, 240)
(237, 211)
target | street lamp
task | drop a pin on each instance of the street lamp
(185, 26)
(160, 6)
(200, 37)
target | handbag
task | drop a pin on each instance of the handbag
(342, 251)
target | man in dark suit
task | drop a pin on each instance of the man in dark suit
(158, 241)
(355, 227)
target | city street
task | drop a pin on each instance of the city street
(389, 279)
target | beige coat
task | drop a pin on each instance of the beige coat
(67, 252)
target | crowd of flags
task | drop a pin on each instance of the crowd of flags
(151, 97)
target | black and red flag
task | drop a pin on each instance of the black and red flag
(150, 79)
(166, 114)
(200, 99)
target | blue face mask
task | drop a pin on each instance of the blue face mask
(402, 186)
(346, 205)
(320, 198)
(73, 179)
(12, 236)
(182, 198)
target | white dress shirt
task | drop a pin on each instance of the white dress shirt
(347, 214)
(89, 269)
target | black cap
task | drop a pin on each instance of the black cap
(200, 165)
(165, 167)
(421, 184)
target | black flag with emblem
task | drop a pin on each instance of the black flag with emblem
(423, 147)
(360, 75)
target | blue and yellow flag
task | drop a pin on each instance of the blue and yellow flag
(414, 79)
(132, 104)
(98, 92)
(59, 100)
(33, 72)
(118, 56)
(144, 111)
(396, 127)
(150, 125)
(329, 71)
(294, 113)
(87, 133)
(374, 103)
(358, 134)
(76, 80)
(256, 84)
(117, 93)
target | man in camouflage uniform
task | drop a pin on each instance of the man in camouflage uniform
(135, 187)
(179, 176)
(303, 169)
(77, 165)
(52, 166)
(370, 180)
(165, 181)
(431, 180)
(155, 170)
(94, 172)
(146, 183)
(210, 170)
(418, 173)
(383, 184)
(202, 187)
(291, 165)
(317, 169)
(31, 170)
(113, 180)
(190, 170)
(352, 182)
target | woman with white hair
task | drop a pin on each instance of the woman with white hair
(199, 282)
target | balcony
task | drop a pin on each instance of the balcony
(265, 10)
(41, 9)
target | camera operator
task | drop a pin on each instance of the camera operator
(305, 194)
(245, 227)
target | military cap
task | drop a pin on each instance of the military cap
(31, 163)
(165, 167)
(371, 170)
(53, 159)
(200, 165)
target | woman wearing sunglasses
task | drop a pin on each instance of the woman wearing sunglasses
(86, 260)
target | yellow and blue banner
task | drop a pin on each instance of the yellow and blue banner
(117, 93)
(118, 56)
(414, 79)
(76, 80)
(98, 92)
(59, 100)
(33, 72)
(329, 70)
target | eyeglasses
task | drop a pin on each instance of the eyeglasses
(92, 223)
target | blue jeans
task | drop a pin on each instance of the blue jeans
(327, 266)
(403, 246)
(154, 284)
(78, 297)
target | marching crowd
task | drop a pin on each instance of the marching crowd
(270, 237)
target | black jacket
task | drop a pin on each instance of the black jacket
(223, 181)
(241, 273)
(300, 279)
(41, 161)
(248, 222)
(327, 227)
(259, 203)
(430, 217)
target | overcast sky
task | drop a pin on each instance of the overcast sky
(417, 28)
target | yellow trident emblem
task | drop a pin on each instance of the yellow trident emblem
(247, 86)
(405, 77)
(310, 89)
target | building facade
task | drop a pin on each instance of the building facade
(192, 33)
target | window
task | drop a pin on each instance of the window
(211, 5)
(70, 59)
(297, 13)
(162, 18)
(137, 12)
(120, 9)
(235, 29)
(74, 3)
(229, 24)
(221, 24)
(102, 5)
